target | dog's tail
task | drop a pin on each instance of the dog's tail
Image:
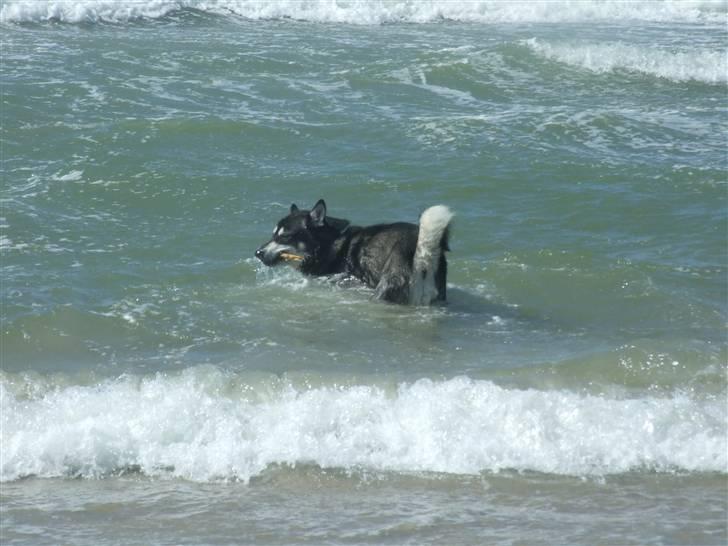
(428, 276)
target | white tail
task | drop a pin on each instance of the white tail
(433, 227)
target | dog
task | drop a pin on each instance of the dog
(403, 262)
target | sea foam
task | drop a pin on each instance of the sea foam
(202, 424)
(373, 11)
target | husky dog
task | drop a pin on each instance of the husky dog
(403, 262)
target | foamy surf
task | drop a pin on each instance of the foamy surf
(204, 424)
(371, 11)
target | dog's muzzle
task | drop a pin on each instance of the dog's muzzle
(267, 255)
(273, 253)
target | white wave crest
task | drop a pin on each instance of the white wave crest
(203, 425)
(374, 11)
(83, 11)
(702, 66)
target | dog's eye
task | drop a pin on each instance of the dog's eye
(282, 235)
(279, 232)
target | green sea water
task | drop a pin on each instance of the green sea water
(582, 353)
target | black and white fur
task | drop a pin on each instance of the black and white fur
(403, 262)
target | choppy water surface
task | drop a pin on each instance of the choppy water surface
(572, 390)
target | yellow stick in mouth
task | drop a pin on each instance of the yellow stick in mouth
(287, 256)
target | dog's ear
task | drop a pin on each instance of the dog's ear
(294, 208)
(318, 213)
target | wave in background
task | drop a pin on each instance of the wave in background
(205, 424)
(372, 11)
(702, 66)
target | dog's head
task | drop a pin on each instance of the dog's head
(298, 238)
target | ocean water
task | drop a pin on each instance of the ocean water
(158, 385)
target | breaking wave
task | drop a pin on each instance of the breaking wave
(206, 424)
(703, 66)
(372, 11)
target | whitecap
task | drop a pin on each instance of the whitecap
(71, 176)
(373, 11)
(698, 65)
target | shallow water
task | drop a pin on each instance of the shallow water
(310, 505)
(154, 371)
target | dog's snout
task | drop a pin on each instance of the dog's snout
(259, 254)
